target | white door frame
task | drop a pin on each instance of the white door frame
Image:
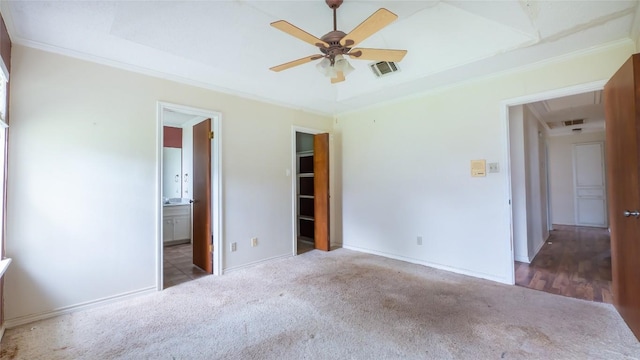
(294, 181)
(216, 186)
(504, 109)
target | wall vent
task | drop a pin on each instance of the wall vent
(383, 68)
(573, 122)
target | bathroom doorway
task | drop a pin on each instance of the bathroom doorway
(189, 214)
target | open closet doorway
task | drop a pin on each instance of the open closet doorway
(310, 190)
(559, 208)
(189, 206)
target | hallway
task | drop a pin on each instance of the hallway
(574, 262)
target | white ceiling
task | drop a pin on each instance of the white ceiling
(587, 108)
(229, 45)
(178, 119)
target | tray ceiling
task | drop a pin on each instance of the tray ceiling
(229, 45)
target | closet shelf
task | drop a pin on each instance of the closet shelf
(309, 218)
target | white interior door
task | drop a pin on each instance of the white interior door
(589, 184)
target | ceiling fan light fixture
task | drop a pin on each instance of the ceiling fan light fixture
(325, 68)
(341, 64)
(335, 44)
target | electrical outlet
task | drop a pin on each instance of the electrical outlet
(254, 242)
(494, 168)
(234, 246)
(419, 240)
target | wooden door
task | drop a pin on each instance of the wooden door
(321, 191)
(202, 239)
(622, 100)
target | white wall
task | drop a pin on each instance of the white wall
(405, 167)
(82, 187)
(519, 178)
(537, 231)
(561, 184)
(528, 183)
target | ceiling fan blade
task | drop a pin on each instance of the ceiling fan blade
(293, 63)
(370, 26)
(377, 54)
(299, 33)
(339, 78)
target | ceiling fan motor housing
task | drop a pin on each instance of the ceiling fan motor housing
(335, 48)
(334, 4)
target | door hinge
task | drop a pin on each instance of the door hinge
(210, 135)
(210, 248)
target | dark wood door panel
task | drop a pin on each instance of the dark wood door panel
(202, 256)
(321, 191)
(621, 98)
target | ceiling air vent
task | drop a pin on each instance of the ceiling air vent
(573, 122)
(384, 68)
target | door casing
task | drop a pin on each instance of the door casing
(504, 109)
(294, 186)
(216, 185)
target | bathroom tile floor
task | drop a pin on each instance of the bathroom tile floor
(178, 265)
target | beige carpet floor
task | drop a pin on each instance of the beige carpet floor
(336, 305)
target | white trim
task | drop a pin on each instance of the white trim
(216, 185)
(529, 258)
(504, 114)
(252, 264)
(532, 256)
(430, 264)
(506, 143)
(4, 265)
(11, 323)
(2, 328)
(5, 71)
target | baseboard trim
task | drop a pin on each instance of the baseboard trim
(522, 259)
(2, 328)
(531, 257)
(431, 265)
(252, 264)
(11, 323)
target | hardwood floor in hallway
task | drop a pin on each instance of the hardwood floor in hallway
(574, 262)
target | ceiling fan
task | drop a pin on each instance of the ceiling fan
(336, 44)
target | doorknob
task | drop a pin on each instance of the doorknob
(634, 213)
(191, 201)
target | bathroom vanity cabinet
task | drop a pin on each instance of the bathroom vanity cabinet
(176, 224)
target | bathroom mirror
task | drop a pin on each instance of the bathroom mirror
(171, 172)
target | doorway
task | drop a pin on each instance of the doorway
(557, 187)
(310, 164)
(177, 192)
